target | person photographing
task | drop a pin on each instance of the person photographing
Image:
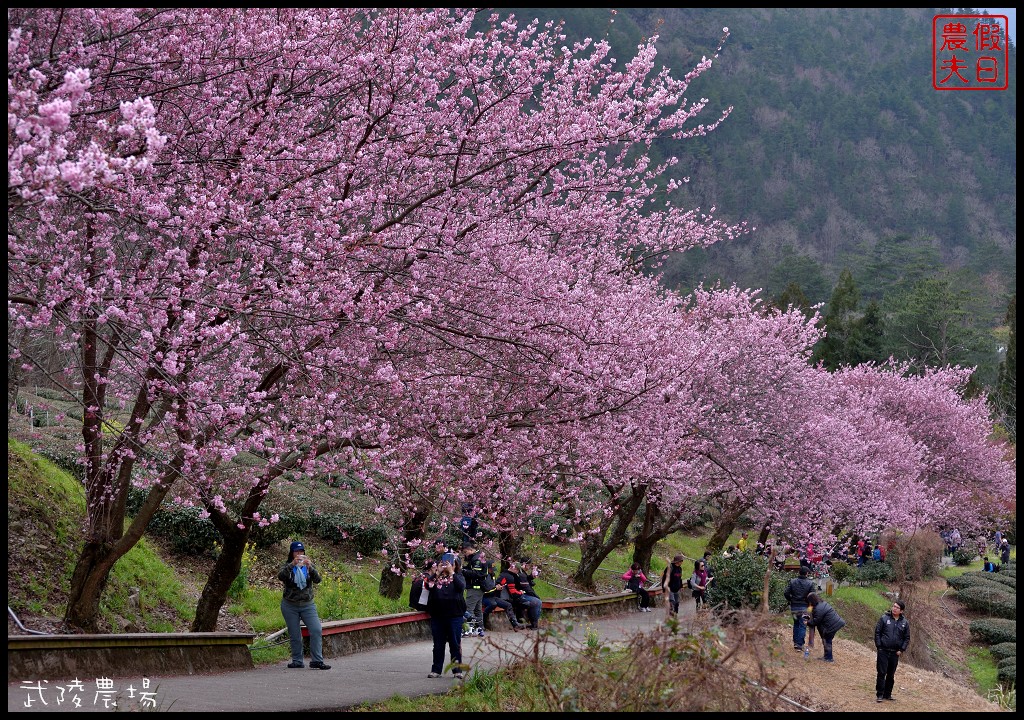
(299, 576)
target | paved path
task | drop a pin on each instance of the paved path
(364, 677)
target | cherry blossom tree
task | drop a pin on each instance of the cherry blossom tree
(325, 236)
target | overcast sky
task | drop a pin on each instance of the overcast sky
(1011, 15)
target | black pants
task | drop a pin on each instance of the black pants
(886, 665)
(645, 597)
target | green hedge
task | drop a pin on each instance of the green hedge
(189, 533)
(1004, 650)
(964, 557)
(978, 579)
(989, 599)
(994, 630)
(1008, 662)
(874, 572)
(739, 582)
(998, 577)
(1008, 674)
(287, 526)
(1009, 570)
(339, 529)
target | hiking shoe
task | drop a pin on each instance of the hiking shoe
(433, 675)
(890, 699)
(878, 698)
(798, 647)
(319, 665)
(827, 660)
(296, 664)
(458, 675)
(480, 632)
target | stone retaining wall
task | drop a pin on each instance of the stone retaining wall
(64, 657)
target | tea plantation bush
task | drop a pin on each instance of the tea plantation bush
(963, 556)
(977, 579)
(994, 630)
(1004, 650)
(874, 572)
(739, 582)
(989, 599)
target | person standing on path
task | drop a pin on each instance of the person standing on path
(699, 583)
(892, 636)
(474, 571)
(796, 593)
(299, 576)
(824, 618)
(446, 606)
(672, 583)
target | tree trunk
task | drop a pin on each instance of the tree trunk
(765, 532)
(510, 545)
(731, 515)
(643, 545)
(613, 533)
(105, 544)
(392, 583)
(767, 583)
(224, 572)
(87, 584)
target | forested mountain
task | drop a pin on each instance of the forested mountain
(842, 156)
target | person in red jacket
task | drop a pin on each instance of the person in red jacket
(635, 581)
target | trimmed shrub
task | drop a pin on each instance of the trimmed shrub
(989, 599)
(52, 394)
(1007, 580)
(287, 526)
(1008, 662)
(963, 556)
(994, 630)
(1004, 650)
(1008, 674)
(330, 526)
(1009, 570)
(840, 571)
(369, 541)
(189, 533)
(978, 579)
(739, 582)
(873, 572)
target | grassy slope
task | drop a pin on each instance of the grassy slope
(46, 513)
(45, 521)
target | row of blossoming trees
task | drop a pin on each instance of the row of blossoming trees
(403, 245)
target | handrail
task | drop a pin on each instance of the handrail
(18, 623)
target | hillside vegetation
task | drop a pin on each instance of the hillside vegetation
(839, 153)
(153, 589)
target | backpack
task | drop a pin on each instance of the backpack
(877, 554)
(689, 583)
(414, 594)
(633, 583)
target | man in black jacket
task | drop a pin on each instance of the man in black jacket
(796, 592)
(892, 636)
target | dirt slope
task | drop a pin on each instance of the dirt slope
(848, 684)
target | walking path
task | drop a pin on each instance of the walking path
(369, 676)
